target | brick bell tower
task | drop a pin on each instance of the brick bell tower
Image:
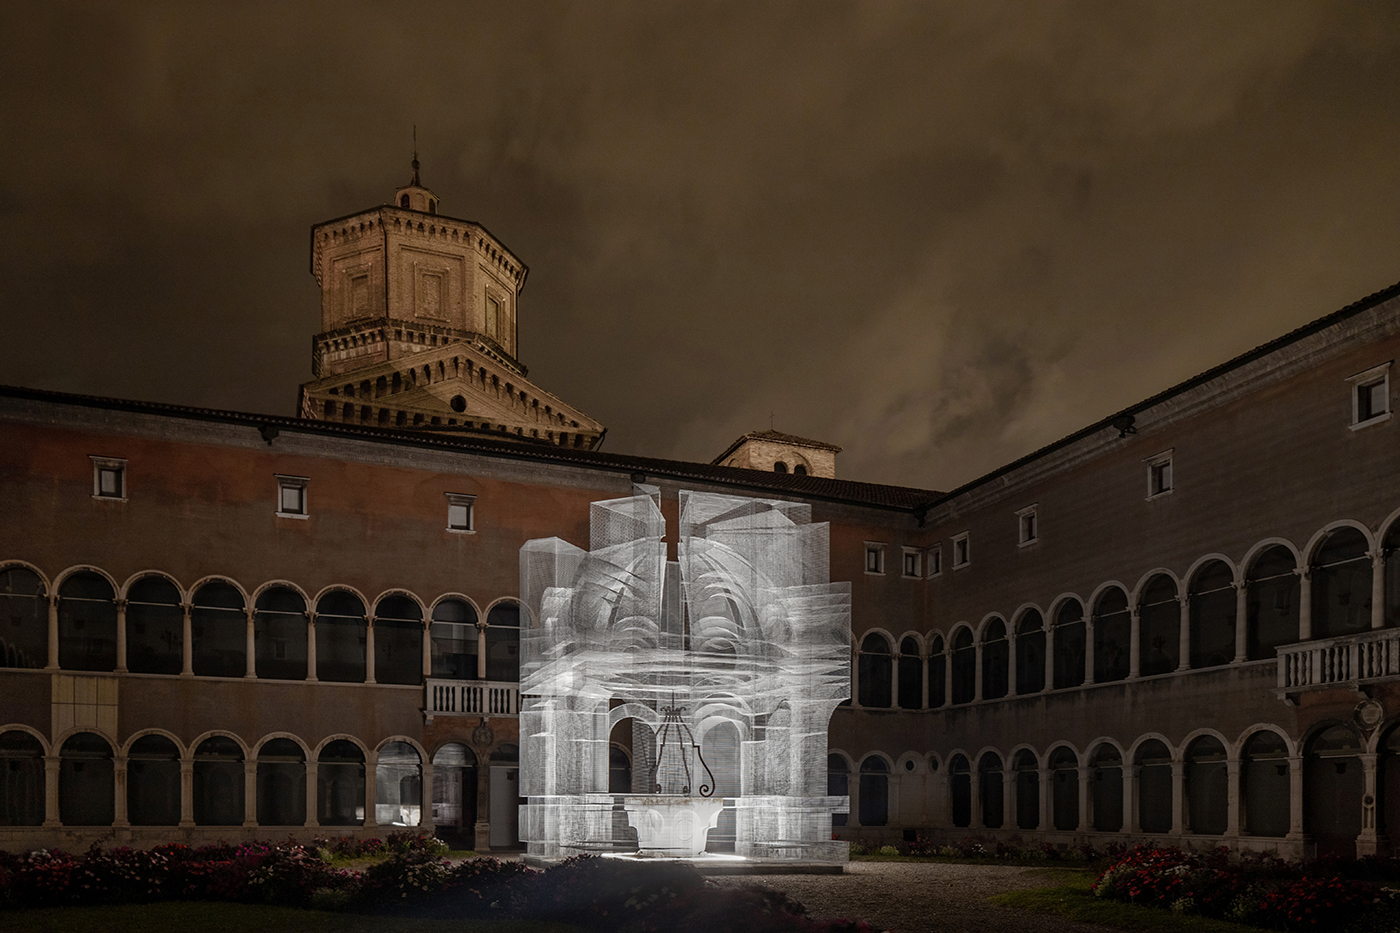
(418, 329)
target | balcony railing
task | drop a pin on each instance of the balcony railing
(1345, 661)
(472, 698)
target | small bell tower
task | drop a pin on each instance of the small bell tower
(413, 196)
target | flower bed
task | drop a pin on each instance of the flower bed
(1261, 890)
(415, 880)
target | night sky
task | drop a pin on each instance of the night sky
(940, 235)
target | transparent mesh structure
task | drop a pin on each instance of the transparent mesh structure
(732, 657)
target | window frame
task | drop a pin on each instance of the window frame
(1375, 376)
(933, 561)
(1157, 466)
(461, 500)
(286, 482)
(115, 465)
(914, 570)
(875, 558)
(1028, 519)
(962, 548)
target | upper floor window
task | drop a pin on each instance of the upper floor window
(935, 560)
(1159, 474)
(779, 467)
(912, 562)
(460, 512)
(1028, 526)
(874, 557)
(291, 496)
(108, 478)
(962, 550)
(1370, 396)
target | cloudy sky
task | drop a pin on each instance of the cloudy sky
(938, 234)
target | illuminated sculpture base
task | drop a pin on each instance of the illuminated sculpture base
(670, 826)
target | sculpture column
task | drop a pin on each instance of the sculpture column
(1367, 841)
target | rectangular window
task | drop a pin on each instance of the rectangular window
(874, 557)
(1028, 526)
(493, 317)
(962, 551)
(935, 560)
(1159, 474)
(460, 510)
(912, 561)
(108, 478)
(1370, 397)
(291, 496)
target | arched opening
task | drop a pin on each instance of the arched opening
(1106, 788)
(875, 671)
(964, 667)
(155, 624)
(403, 202)
(911, 674)
(996, 660)
(454, 792)
(86, 787)
(1069, 645)
(87, 623)
(454, 640)
(838, 783)
(279, 634)
(1112, 634)
(990, 787)
(1333, 785)
(1266, 790)
(398, 641)
(1030, 653)
(960, 790)
(722, 748)
(281, 783)
(21, 779)
(24, 620)
(1213, 615)
(1159, 627)
(874, 791)
(218, 782)
(1154, 790)
(1341, 585)
(1064, 789)
(619, 770)
(937, 673)
(340, 784)
(799, 469)
(1027, 789)
(341, 637)
(503, 642)
(1271, 602)
(153, 782)
(1207, 787)
(398, 785)
(780, 467)
(218, 631)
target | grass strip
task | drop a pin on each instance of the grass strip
(1067, 895)
(214, 917)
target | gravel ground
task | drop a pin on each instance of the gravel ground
(911, 897)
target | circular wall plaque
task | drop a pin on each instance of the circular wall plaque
(1368, 714)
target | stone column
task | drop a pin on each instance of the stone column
(121, 636)
(1305, 604)
(1131, 773)
(186, 641)
(1367, 841)
(1134, 641)
(1241, 621)
(371, 788)
(1295, 799)
(311, 644)
(923, 671)
(1378, 587)
(1085, 818)
(119, 817)
(1008, 798)
(53, 632)
(1234, 815)
(948, 677)
(250, 793)
(976, 784)
(1047, 800)
(483, 799)
(52, 763)
(894, 678)
(1178, 798)
(481, 650)
(425, 797)
(369, 650)
(1184, 633)
(312, 820)
(427, 650)
(186, 793)
(976, 673)
(1011, 663)
(1049, 657)
(855, 673)
(1088, 649)
(249, 651)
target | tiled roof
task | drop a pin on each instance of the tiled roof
(777, 437)
(873, 495)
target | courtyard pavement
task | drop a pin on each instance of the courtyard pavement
(914, 897)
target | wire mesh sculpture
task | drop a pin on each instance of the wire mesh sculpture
(729, 660)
